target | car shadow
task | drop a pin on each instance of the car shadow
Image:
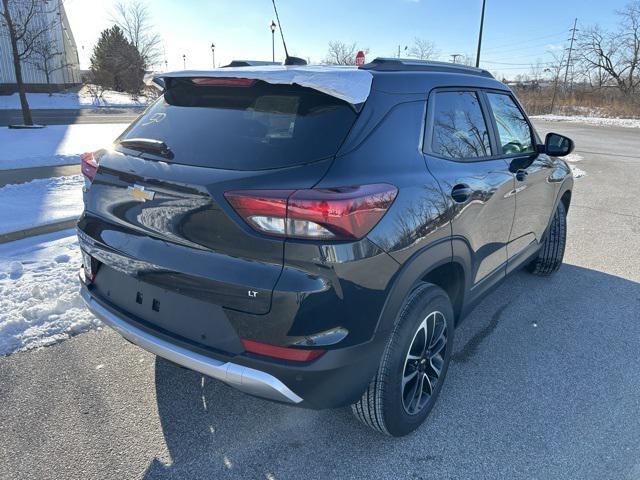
(537, 369)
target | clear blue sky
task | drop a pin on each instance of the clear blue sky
(516, 32)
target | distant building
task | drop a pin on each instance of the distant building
(65, 65)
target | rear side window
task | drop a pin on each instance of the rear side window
(251, 126)
(513, 129)
(459, 130)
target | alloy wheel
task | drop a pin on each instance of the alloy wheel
(424, 362)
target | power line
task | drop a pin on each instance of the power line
(521, 64)
(534, 39)
(520, 49)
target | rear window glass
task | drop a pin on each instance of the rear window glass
(460, 131)
(254, 127)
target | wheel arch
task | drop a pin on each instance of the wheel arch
(433, 264)
(566, 199)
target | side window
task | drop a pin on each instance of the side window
(459, 130)
(513, 129)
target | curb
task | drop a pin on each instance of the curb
(39, 230)
(26, 174)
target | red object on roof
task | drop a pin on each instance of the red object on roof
(360, 58)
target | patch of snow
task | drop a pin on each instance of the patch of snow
(41, 306)
(40, 202)
(573, 157)
(55, 144)
(73, 100)
(598, 121)
(577, 172)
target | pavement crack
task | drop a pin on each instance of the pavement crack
(630, 215)
(471, 347)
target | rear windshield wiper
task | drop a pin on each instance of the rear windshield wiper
(149, 145)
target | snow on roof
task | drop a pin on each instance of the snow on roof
(346, 83)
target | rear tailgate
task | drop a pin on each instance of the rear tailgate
(163, 219)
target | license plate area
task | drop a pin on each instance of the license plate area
(171, 312)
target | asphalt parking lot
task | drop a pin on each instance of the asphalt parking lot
(544, 383)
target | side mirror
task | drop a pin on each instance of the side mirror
(557, 145)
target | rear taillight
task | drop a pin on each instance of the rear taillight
(346, 213)
(282, 353)
(89, 165)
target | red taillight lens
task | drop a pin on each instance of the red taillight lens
(282, 353)
(346, 213)
(89, 165)
(223, 82)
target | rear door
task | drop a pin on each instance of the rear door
(460, 151)
(159, 214)
(535, 195)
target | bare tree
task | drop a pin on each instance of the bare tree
(135, 21)
(423, 49)
(26, 23)
(555, 69)
(617, 53)
(536, 71)
(47, 58)
(340, 53)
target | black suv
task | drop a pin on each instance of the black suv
(313, 251)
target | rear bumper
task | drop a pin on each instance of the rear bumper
(336, 379)
(243, 378)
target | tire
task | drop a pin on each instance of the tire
(389, 405)
(550, 256)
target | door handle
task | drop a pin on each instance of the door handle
(521, 175)
(461, 193)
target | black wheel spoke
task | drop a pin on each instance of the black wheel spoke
(408, 377)
(428, 383)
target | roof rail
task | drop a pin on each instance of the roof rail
(410, 64)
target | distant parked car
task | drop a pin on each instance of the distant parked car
(314, 235)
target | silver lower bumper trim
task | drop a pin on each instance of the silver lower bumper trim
(243, 378)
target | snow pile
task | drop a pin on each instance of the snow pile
(39, 300)
(55, 144)
(40, 202)
(73, 100)
(577, 172)
(598, 121)
(573, 157)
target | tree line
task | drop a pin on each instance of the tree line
(119, 60)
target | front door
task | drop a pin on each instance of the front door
(535, 195)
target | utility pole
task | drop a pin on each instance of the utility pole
(184, 61)
(480, 34)
(455, 56)
(573, 37)
(273, 27)
(405, 49)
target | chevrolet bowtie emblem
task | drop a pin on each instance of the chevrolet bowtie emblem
(139, 193)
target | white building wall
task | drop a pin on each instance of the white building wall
(60, 35)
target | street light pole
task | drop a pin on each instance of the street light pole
(213, 54)
(480, 34)
(184, 62)
(273, 40)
